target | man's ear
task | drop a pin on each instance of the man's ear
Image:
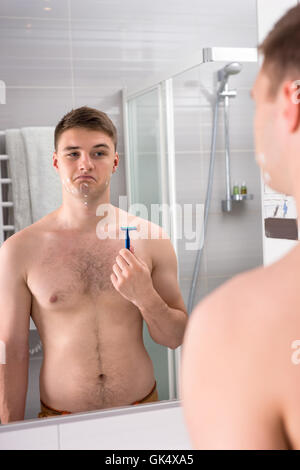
(291, 105)
(116, 162)
(55, 161)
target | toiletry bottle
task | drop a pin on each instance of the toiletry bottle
(236, 189)
(243, 188)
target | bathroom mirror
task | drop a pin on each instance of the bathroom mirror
(53, 60)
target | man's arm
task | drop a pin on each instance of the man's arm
(230, 398)
(15, 306)
(157, 296)
(163, 308)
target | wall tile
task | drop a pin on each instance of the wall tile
(33, 393)
(234, 235)
(43, 38)
(35, 8)
(36, 72)
(34, 107)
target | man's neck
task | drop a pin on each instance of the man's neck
(80, 214)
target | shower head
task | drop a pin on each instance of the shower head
(229, 69)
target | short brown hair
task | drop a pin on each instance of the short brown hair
(88, 118)
(281, 50)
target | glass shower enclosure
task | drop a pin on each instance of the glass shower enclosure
(150, 191)
(148, 116)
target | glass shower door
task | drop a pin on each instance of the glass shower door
(148, 185)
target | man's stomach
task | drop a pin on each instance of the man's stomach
(87, 371)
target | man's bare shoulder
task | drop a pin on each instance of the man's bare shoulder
(264, 293)
(14, 254)
(23, 245)
(26, 234)
(242, 336)
(230, 311)
(18, 241)
(253, 318)
(160, 247)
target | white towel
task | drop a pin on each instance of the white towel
(44, 182)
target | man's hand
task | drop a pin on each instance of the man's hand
(131, 276)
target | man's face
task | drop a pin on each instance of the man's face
(270, 137)
(85, 160)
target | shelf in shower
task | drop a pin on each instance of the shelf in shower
(241, 197)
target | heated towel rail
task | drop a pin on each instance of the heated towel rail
(6, 211)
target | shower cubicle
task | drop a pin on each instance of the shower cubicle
(180, 170)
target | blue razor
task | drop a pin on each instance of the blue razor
(127, 240)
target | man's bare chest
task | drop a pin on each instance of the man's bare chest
(68, 273)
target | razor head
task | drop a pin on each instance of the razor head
(127, 240)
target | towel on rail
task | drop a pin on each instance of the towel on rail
(36, 188)
(44, 182)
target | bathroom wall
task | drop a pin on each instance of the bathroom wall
(59, 54)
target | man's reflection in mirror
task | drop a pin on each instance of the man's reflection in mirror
(86, 292)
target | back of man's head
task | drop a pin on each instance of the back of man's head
(281, 50)
(87, 118)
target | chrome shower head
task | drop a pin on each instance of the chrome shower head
(230, 69)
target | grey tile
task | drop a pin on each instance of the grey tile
(243, 167)
(187, 259)
(33, 393)
(39, 72)
(184, 285)
(215, 282)
(230, 264)
(105, 99)
(206, 286)
(34, 107)
(118, 184)
(107, 68)
(201, 290)
(42, 39)
(190, 181)
(235, 235)
(193, 124)
(104, 38)
(35, 8)
(36, 350)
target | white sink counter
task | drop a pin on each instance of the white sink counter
(151, 426)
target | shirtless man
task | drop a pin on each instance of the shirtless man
(240, 382)
(87, 294)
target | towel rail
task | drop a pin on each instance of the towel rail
(6, 206)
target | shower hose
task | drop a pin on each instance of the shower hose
(191, 298)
